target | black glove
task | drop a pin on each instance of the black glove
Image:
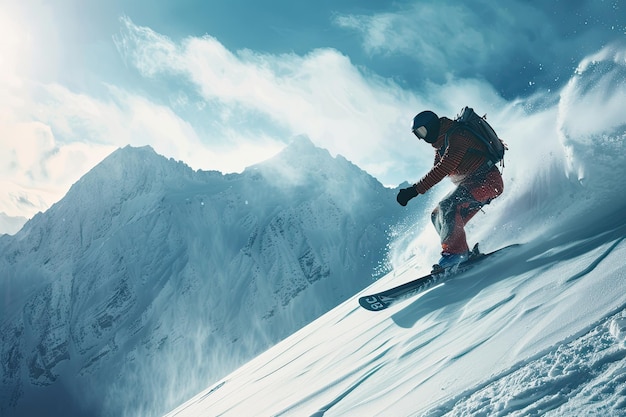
(405, 194)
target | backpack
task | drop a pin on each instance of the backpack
(479, 127)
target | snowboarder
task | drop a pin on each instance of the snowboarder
(464, 158)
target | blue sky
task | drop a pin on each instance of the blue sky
(226, 84)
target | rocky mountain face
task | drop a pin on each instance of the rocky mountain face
(149, 280)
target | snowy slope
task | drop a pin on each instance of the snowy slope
(519, 335)
(149, 280)
(537, 330)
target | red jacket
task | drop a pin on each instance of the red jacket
(463, 156)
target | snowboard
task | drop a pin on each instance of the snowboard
(384, 299)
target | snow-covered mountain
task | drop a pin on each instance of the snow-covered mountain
(538, 330)
(148, 280)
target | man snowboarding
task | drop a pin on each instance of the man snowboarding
(465, 159)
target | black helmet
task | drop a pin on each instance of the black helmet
(426, 126)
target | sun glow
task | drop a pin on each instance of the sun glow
(15, 46)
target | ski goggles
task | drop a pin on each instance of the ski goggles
(420, 132)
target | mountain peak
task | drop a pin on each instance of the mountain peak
(133, 152)
(301, 142)
(301, 161)
(301, 150)
(128, 158)
(130, 170)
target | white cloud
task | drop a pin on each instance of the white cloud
(36, 171)
(435, 35)
(51, 136)
(241, 108)
(227, 110)
(322, 94)
(449, 37)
